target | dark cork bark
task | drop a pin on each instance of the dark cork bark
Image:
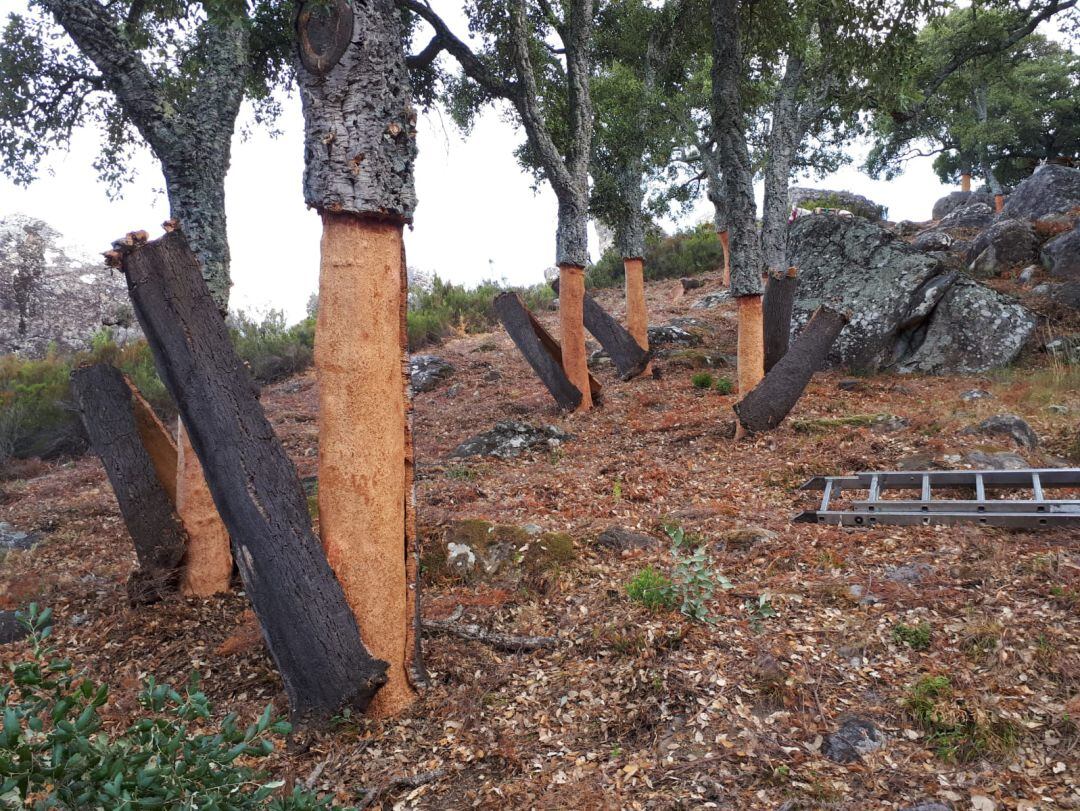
(359, 122)
(539, 348)
(105, 405)
(772, 399)
(629, 358)
(308, 625)
(776, 306)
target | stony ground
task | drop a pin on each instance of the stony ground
(637, 708)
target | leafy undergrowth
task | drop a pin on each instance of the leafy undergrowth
(641, 706)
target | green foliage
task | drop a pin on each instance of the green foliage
(760, 609)
(958, 730)
(702, 380)
(914, 636)
(653, 590)
(440, 309)
(690, 252)
(694, 579)
(724, 385)
(55, 752)
(270, 348)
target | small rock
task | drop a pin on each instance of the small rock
(918, 461)
(1027, 274)
(669, 335)
(974, 215)
(454, 390)
(509, 439)
(858, 594)
(1008, 425)
(742, 538)
(933, 241)
(711, 301)
(856, 738)
(927, 805)
(908, 573)
(621, 539)
(533, 529)
(11, 538)
(995, 461)
(975, 394)
(11, 630)
(427, 371)
(1055, 408)
(690, 284)
(492, 376)
(851, 385)
(888, 424)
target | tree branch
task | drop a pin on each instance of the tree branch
(427, 56)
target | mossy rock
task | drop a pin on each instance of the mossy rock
(473, 551)
(698, 359)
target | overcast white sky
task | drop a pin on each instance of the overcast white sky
(477, 218)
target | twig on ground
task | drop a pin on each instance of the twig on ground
(371, 795)
(474, 633)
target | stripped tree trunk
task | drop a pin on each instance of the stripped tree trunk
(109, 414)
(536, 346)
(310, 630)
(572, 331)
(776, 307)
(622, 347)
(637, 313)
(360, 145)
(767, 405)
(965, 182)
(208, 566)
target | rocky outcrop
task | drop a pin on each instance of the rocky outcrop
(801, 197)
(1061, 255)
(51, 294)
(1005, 244)
(428, 371)
(907, 312)
(973, 215)
(509, 439)
(1050, 190)
(958, 199)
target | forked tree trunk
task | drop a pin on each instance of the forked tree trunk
(767, 405)
(208, 565)
(310, 630)
(637, 312)
(572, 331)
(360, 145)
(108, 411)
(776, 307)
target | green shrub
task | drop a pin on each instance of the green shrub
(694, 579)
(914, 636)
(725, 386)
(653, 590)
(958, 730)
(702, 380)
(270, 348)
(55, 752)
(687, 253)
(440, 309)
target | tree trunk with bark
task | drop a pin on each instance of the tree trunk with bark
(776, 307)
(622, 347)
(360, 146)
(766, 406)
(785, 135)
(109, 414)
(309, 627)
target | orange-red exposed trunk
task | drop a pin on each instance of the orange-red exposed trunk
(208, 563)
(364, 445)
(725, 243)
(572, 330)
(999, 202)
(965, 182)
(751, 350)
(637, 315)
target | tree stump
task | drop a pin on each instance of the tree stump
(771, 401)
(310, 630)
(776, 306)
(106, 406)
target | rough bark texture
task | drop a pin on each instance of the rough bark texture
(776, 307)
(572, 331)
(105, 405)
(208, 565)
(309, 627)
(361, 360)
(637, 313)
(191, 139)
(751, 345)
(547, 364)
(622, 347)
(729, 128)
(359, 123)
(767, 405)
(785, 135)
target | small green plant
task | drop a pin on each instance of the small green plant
(653, 590)
(914, 636)
(760, 609)
(702, 380)
(958, 730)
(724, 385)
(55, 753)
(461, 473)
(616, 490)
(692, 573)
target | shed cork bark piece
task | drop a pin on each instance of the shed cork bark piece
(776, 307)
(106, 407)
(208, 564)
(572, 331)
(766, 406)
(310, 630)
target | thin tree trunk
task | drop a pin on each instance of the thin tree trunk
(196, 191)
(766, 406)
(310, 630)
(784, 137)
(776, 307)
(965, 182)
(360, 146)
(105, 403)
(208, 565)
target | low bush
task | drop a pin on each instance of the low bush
(914, 636)
(653, 590)
(56, 753)
(702, 380)
(687, 253)
(724, 385)
(272, 349)
(958, 730)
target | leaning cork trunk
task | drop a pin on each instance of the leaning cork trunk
(772, 400)
(360, 145)
(309, 629)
